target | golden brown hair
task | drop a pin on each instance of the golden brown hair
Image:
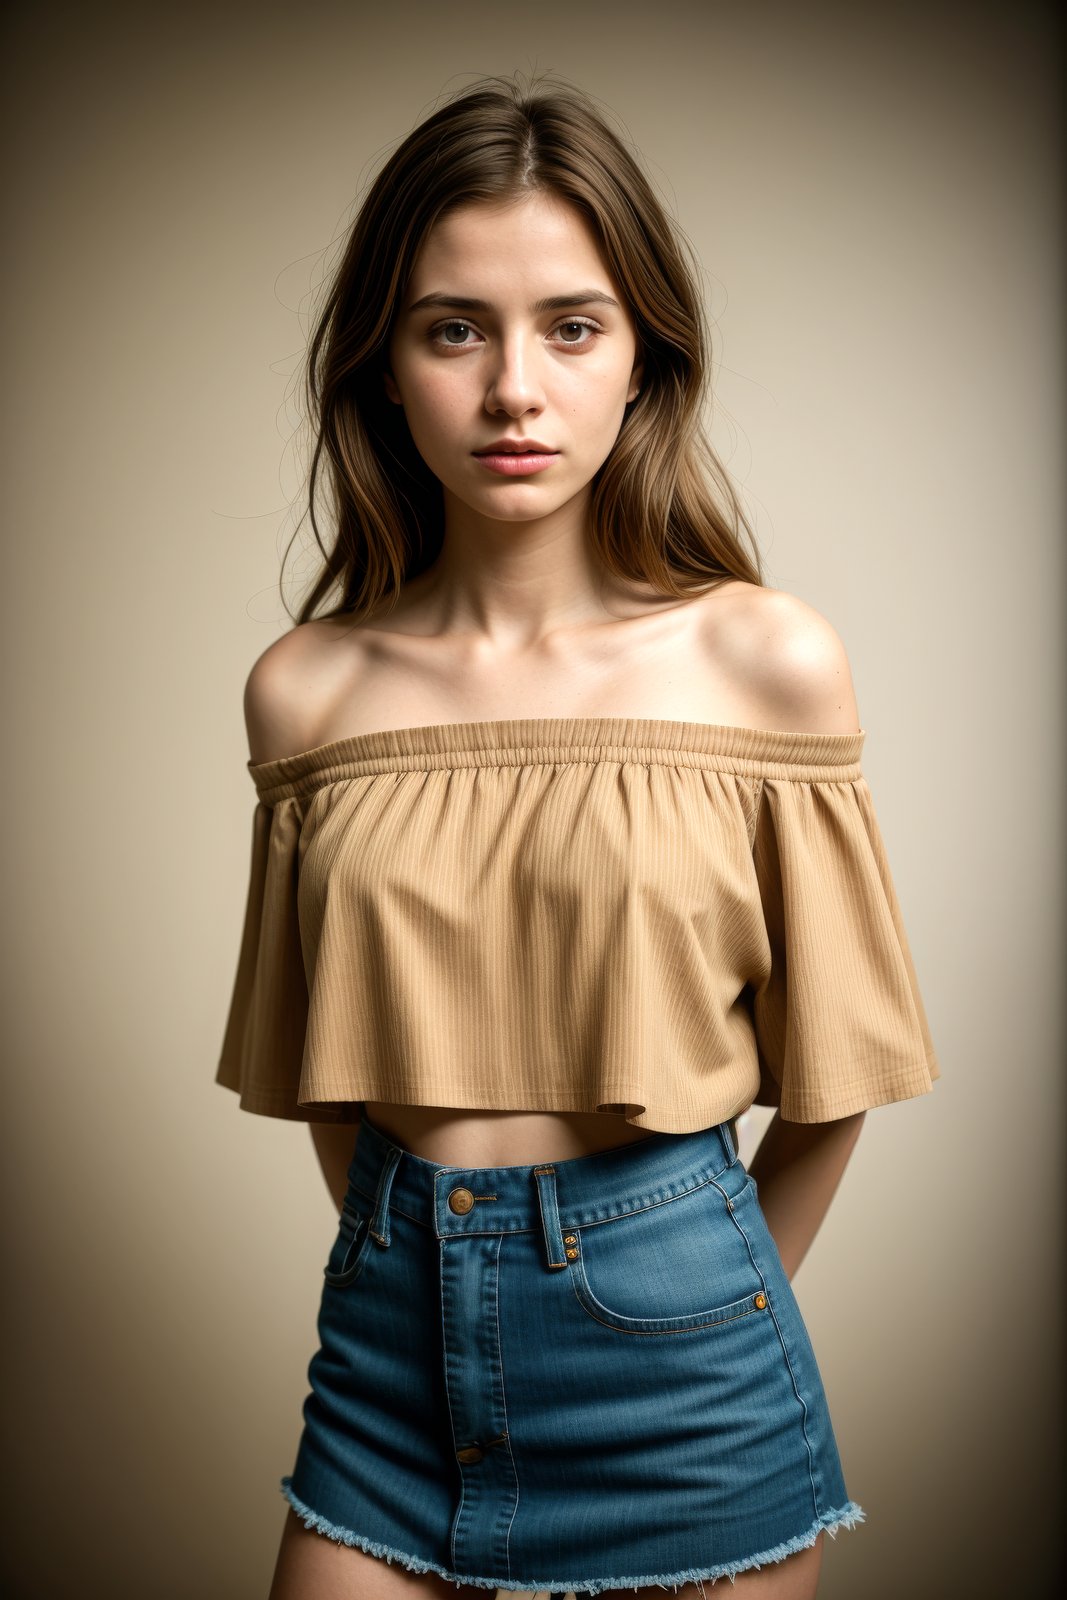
(664, 511)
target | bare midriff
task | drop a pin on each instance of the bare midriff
(460, 1137)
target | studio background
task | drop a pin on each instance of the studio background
(874, 194)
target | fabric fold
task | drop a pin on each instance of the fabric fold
(839, 1020)
(265, 1033)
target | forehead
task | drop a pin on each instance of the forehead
(523, 242)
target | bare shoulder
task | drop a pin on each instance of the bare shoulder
(793, 658)
(290, 687)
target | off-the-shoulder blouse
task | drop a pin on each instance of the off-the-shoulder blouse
(668, 920)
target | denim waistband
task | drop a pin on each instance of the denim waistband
(549, 1196)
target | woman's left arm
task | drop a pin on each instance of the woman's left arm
(797, 1168)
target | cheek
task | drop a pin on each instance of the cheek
(598, 405)
(432, 396)
(599, 385)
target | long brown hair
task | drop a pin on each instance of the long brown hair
(664, 511)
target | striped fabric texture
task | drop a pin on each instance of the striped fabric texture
(667, 920)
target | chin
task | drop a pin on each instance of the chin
(523, 514)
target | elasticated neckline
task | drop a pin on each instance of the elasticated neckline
(523, 741)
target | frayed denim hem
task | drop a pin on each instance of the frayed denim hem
(830, 1522)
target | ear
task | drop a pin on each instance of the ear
(391, 389)
(636, 378)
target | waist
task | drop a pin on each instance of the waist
(460, 1200)
(465, 1136)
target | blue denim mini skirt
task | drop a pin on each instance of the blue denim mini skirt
(574, 1376)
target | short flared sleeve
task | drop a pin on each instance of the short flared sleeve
(839, 1021)
(265, 1033)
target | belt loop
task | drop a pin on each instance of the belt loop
(546, 1195)
(378, 1227)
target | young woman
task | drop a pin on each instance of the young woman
(562, 859)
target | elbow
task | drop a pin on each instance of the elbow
(846, 1128)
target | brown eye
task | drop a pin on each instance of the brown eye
(579, 325)
(465, 326)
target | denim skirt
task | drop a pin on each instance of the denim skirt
(573, 1376)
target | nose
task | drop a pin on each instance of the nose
(514, 386)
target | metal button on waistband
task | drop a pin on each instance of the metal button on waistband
(472, 1452)
(460, 1201)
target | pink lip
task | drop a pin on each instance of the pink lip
(515, 466)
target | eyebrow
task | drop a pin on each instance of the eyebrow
(555, 302)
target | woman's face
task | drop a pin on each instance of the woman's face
(468, 375)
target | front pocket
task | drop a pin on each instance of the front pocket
(673, 1267)
(349, 1248)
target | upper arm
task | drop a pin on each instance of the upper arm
(800, 666)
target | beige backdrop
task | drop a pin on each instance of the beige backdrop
(873, 192)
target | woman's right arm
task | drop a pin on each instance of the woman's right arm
(335, 1145)
(283, 694)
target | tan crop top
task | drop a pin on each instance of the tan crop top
(669, 920)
